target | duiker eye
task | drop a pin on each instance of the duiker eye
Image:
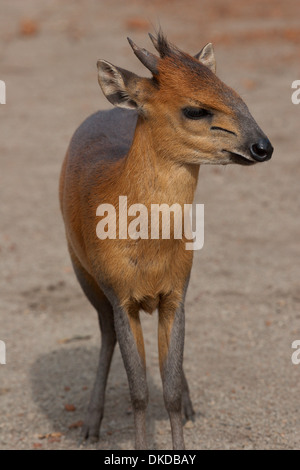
(196, 113)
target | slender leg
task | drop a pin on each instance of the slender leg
(92, 422)
(170, 344)
(95, 411)
(187, 407)
(130, 339)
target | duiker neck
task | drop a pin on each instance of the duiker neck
(155, 175)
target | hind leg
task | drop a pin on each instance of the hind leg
(104, 309)
(95, 411)
(187, 407)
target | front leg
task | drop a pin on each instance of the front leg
(171, 344)
(130, 338)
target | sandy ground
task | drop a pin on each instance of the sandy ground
(243, 303)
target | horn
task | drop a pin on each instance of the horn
(148, 60)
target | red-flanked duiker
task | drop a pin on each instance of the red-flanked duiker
(150, 151)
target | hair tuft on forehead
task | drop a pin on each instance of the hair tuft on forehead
(164, 47)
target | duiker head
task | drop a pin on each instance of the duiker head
(193, 116)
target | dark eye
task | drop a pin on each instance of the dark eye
(196, 113)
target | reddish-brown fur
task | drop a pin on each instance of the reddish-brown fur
(153, 276)
(160, 166)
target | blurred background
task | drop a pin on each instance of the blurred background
(243, 305)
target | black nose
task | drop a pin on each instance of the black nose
(262, 150)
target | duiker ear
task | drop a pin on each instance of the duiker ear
(118, 85)
(207, 57)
